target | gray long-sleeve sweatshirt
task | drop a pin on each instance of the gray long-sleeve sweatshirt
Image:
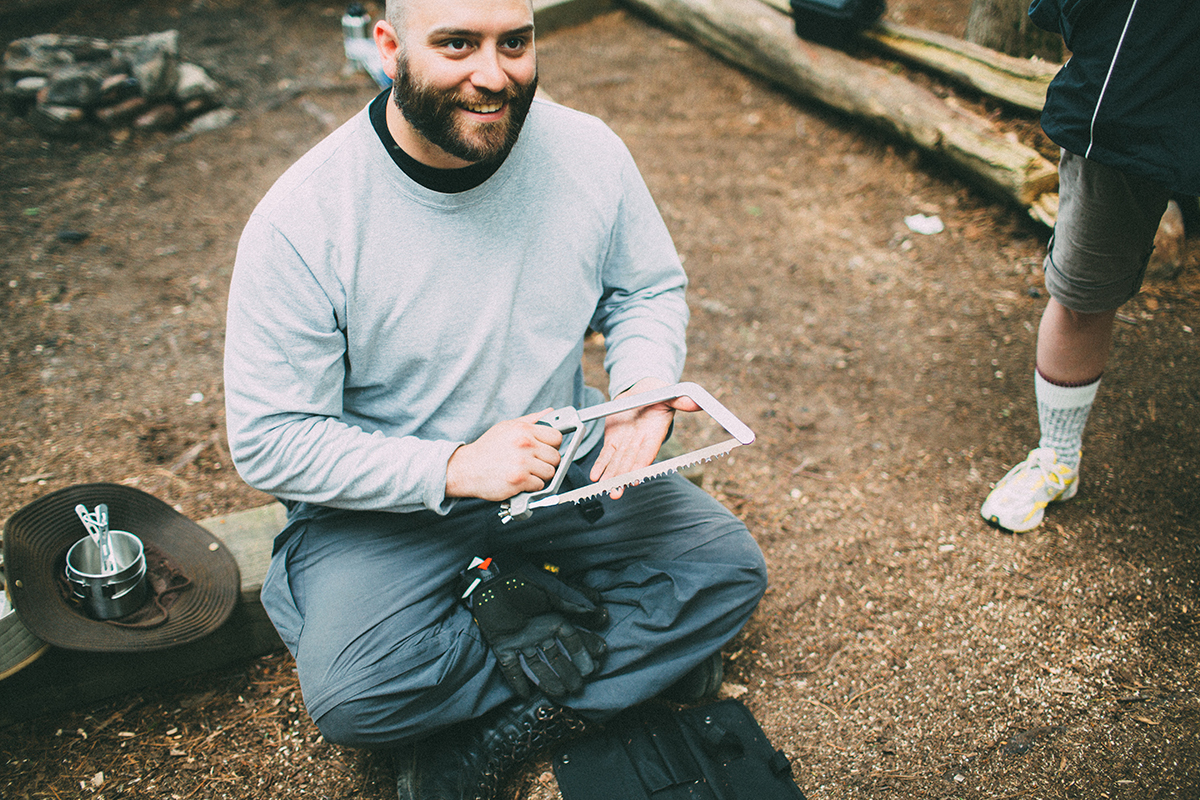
(375, 325)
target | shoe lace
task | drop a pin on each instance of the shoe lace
(1040, 467)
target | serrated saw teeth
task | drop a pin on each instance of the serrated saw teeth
(570, 420)
(656, 470)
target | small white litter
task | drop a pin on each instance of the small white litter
(919, 223)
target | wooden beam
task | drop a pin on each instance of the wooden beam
(1018, 82)
(761, 38)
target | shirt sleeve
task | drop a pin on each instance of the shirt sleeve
(643, 311)
(285, 353)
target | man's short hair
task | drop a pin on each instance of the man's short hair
(393, 12)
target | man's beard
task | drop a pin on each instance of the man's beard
(432, 113)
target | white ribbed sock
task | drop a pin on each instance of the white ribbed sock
(1062, 416)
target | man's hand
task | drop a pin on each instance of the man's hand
(632, 439)
(514, 456)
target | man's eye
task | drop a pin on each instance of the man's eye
(515, 43)
(457, 45)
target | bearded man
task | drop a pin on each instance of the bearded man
(408, 300)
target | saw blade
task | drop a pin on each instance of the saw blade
(571, 420)
(655, 470)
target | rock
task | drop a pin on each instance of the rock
(194, 84)
(27, 88)
(154, 60)
(47, 52)
(61, 121)
(212, 121)
(74, 85)
(120, 113)
(196, 106)
(116, 87)
(61, 114)
(1166, 262)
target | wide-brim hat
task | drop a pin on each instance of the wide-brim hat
(36, 540)
(18, 647)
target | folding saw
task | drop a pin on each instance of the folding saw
(568, 420)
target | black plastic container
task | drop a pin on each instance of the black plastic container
(834, 22)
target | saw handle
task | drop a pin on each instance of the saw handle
(568, 420)
(563, 420)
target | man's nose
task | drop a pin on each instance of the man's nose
(489, 72)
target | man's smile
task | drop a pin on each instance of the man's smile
(485, 108)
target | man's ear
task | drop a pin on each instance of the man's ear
(388, 42)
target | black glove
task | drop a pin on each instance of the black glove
(536, 624)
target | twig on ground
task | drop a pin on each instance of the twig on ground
(863, 692)
(203, 783)
(819, 704)
(116, 715)
(193, 452)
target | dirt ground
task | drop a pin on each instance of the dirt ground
(904, 648)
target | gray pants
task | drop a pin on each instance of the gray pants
(366, 602)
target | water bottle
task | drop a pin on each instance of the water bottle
(359, 44)
(355, 31)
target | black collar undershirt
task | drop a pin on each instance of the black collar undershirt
(446, 181)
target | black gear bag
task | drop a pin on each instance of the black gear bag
(834, 22)
(711, 752)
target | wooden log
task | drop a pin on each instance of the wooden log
(762, 39)
(1018, 82)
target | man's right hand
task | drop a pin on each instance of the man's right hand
(514, 456)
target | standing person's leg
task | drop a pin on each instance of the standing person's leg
(1073, 346)
(1072, 350)
(1098, 254)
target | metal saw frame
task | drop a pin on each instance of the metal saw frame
(572, 420)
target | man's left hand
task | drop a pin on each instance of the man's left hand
(632, 438)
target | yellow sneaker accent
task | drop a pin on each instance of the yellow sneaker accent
(1019, 500)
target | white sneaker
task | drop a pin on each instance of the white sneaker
(1020, 497)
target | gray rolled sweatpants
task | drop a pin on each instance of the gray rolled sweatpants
(366, 602)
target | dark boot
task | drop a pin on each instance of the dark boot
(699, 683)
(469, 760)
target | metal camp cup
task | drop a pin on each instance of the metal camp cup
(107, 594)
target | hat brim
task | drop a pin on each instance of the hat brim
(37, 537)
(18, 647)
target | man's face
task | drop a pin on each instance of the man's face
(466, 74)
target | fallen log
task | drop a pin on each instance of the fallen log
(762, 39)
(1017, 82)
